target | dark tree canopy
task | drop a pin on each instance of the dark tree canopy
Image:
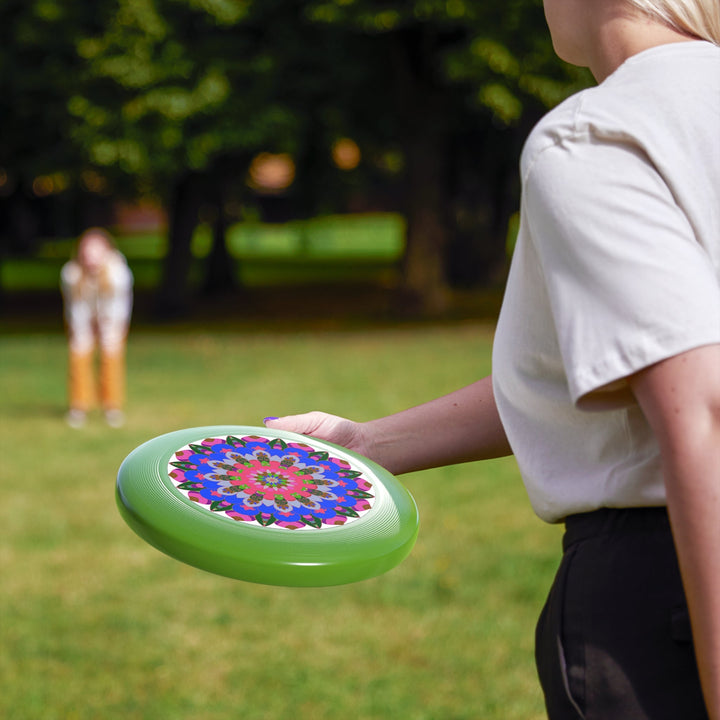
(173, 98)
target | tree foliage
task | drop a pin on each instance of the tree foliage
(175, 97)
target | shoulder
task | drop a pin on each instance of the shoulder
(593, 117)
(117, 268)
(70, 274)
(650, 104)
(553, 130)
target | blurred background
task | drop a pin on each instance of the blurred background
(232, 145)
(317, 200)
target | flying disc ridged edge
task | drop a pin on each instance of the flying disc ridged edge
(367, 547)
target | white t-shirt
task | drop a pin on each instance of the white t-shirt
(617, 266)
(97, 308)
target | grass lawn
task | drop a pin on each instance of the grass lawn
(94, 623)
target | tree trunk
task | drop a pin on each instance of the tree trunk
(424, 144)
(175, 295)
(485, 194)
(424, 277)
(220, 266)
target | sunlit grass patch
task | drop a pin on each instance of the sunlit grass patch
(97, 624)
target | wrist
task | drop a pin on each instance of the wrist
(375, 444)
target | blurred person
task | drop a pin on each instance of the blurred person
(606, 366)
(97, 294)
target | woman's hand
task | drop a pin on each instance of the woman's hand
(323, 426)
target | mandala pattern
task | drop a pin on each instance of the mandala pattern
(271, 482)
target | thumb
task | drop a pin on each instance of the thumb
(304, 424)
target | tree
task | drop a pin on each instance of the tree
(460, 72)
(38, 68)
(175, 98)
(183, 94)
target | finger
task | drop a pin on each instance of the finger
(304, 424)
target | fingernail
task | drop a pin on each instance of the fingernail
(270, 417)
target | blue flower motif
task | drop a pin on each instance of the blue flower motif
(271, 482)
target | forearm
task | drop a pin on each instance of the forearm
(693, 496)
(681, 400)
(460, 427)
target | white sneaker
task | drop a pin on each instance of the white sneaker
(75, 418)
(115, 418)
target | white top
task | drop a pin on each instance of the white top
(97, 308)
(617, 266)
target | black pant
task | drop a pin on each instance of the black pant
(613, 641)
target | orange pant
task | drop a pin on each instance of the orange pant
(83, 390)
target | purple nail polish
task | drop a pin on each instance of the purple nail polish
(268, 418)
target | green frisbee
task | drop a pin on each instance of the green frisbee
(267, 506)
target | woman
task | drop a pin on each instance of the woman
(606, 365)
(97, 293)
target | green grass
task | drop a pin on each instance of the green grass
(341, 248)
(94, 623)
(32, 274)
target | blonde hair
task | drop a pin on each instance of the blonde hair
(699, 18)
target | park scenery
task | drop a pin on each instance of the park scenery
(98, 624)
(317, 201)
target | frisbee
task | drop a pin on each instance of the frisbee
(266, 506)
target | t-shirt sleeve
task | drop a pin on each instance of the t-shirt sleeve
(629, 282)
